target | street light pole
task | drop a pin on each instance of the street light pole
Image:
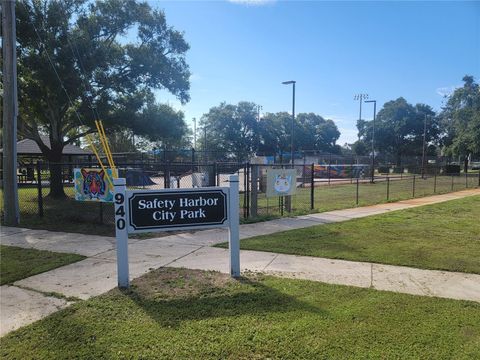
(373, 137)
(292, 133)
(288, 199)
(195, 133)
(423, 147)
(205, 143)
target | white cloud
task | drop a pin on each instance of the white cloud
(195, 77)
(336, 118)
(252, 2)
(446, 90)
(347, 135)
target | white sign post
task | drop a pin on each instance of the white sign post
(139, 211)
(121, 232)
(233, 230)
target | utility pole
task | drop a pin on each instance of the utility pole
(10, 109)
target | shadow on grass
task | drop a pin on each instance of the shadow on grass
(249, 297)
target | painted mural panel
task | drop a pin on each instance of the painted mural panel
(92, 185)
(281, 182)
(341, 171)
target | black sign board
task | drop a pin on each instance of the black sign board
(170, 209)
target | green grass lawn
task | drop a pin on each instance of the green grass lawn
(443, 236)
(18, 263)
(187, 314)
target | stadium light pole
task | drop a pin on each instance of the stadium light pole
(373, 137)
(293, 117)
(360, 98)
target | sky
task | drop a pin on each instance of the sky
(243, 50)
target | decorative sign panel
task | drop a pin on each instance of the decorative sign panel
(171, 209)
(281, 182)
(92, 185)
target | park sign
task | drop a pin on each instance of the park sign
(139, 211)
(177, 208)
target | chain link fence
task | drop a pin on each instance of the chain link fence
(318, 188)
(322, 188)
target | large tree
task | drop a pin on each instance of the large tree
(274, 131)
(230, 130)
(312, 132)
(160, 126)
(80, 60)
(461, 120)
(399, 129)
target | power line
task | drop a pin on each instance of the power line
(76, 54)
(41, 42)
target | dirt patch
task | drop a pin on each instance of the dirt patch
(170, 283)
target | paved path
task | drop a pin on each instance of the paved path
(25, 302)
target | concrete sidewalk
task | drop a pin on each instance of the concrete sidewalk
(26, 302)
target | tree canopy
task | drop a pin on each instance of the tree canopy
(461, 120)
(399, 129)
(232, 130)
(237, 132)
(79, 61)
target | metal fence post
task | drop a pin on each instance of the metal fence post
(357, 192)
(213, 180)
(413, 186)
(289, 198)
(451, 189)
(39, 189)
(167, 184)
(247, 189)
(304, 168)
(388, 188)
(101, 212)
(312, 188)
(254, 190)
(329, 166)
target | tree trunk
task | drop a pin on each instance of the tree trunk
(399, 159)
(54, 164)
(56, 183)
